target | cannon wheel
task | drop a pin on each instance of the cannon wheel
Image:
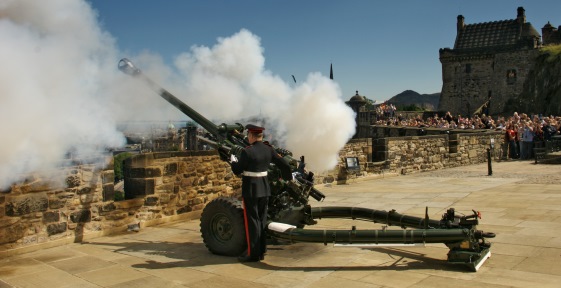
(222, 227)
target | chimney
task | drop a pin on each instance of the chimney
(460, 26)
(521, 17)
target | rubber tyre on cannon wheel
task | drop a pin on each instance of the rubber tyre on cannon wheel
(222, 227)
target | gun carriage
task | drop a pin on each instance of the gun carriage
(289, 211)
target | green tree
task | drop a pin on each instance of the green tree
(118, 164)
(370, 104)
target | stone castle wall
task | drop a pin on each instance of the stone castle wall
(360, 148)
(468, 79)
(413, 154)
(177, 182)
(42, 213)
(173, 186)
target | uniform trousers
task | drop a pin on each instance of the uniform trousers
(255, 218)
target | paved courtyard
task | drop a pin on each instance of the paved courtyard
(520, 202)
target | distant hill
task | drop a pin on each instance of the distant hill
(408, 97)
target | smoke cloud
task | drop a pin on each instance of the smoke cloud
(61, 92)
(55, 64)
(309, 119)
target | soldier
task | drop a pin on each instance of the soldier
(253, 165)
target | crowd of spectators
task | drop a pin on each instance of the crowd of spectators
(521, 131)
(386, 111)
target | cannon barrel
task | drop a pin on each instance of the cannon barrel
(377, 216)
(127, 67)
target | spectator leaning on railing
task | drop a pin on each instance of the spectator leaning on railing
(527, 143)
(543, 128)
(510, 138)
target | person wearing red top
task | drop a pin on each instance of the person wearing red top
(510, 138)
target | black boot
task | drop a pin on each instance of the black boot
(247, 258)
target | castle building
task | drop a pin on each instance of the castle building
(489, 60)
(362, 119)
(551, 35)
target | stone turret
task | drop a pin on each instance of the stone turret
(356, 103)
(550, 34)
(461, 24)
(521, 15)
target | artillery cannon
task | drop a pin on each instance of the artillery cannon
(289, 211)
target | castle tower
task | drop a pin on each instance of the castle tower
(356, 103)
(550, 34)
(490, 58)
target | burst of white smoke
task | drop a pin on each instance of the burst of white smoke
(321, 122)
(54, 63)
(60, 90)
(310, 119)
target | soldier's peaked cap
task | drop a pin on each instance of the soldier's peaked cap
(254, 128)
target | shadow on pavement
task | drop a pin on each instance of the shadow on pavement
(163, 255)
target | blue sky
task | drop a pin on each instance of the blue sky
(380, 48)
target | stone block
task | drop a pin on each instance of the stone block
(108, 192)
(84, 190)
(143, 172)
(108, 207)
(166, 188)
(153, 172)
(151, 201)
(51, 216)
(161, 180)
(170, 169)
(81, 216)
(56, 203)
(188, 181)
(139, 187)
(116, 216)
(73, 181)
(165, 198)
(136, 173)
(139, 160)
(107, 176)
(57, 228)
(12, 231)
(184, 209)
(22, 205)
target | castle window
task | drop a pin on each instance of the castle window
(468, 68)
(511, 76)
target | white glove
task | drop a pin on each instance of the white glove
(233, 158)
